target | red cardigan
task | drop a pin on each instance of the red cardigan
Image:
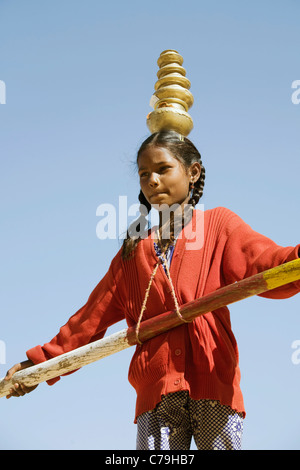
(202, 356)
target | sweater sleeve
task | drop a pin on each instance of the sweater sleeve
(247, 252)
(103, 308)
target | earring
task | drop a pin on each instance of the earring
(192, 185)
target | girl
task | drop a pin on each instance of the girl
(188, 379)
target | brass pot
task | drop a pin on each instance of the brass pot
(172, 96)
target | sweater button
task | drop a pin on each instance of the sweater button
(177, 352)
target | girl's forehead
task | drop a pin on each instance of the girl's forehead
(155, 155)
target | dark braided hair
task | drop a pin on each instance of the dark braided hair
(187, 154)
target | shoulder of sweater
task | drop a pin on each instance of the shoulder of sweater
(219, 212)
(116, 262)
(221, 219)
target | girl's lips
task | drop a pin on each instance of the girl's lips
(156, 194)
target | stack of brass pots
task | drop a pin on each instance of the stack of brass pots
(172, 98)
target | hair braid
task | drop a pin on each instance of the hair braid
(198, 187)
(139, 226)
(145, 206)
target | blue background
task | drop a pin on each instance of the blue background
(79, 77)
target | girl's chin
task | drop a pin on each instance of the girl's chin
(161, 198)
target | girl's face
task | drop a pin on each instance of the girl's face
(163, 178)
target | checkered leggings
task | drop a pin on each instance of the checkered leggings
(178, 418)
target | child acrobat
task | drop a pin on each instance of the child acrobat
(188, 379)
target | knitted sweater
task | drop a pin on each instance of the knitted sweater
(202, 356)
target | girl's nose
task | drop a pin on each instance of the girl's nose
(153, 180)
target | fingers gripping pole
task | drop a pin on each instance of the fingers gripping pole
(254, 285)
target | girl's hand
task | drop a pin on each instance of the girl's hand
(18, 390)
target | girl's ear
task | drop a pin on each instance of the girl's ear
(194, 171)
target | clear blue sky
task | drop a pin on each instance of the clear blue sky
(79, 77)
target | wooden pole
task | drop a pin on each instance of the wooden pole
(257, 284)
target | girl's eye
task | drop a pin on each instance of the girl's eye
(164, 168)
